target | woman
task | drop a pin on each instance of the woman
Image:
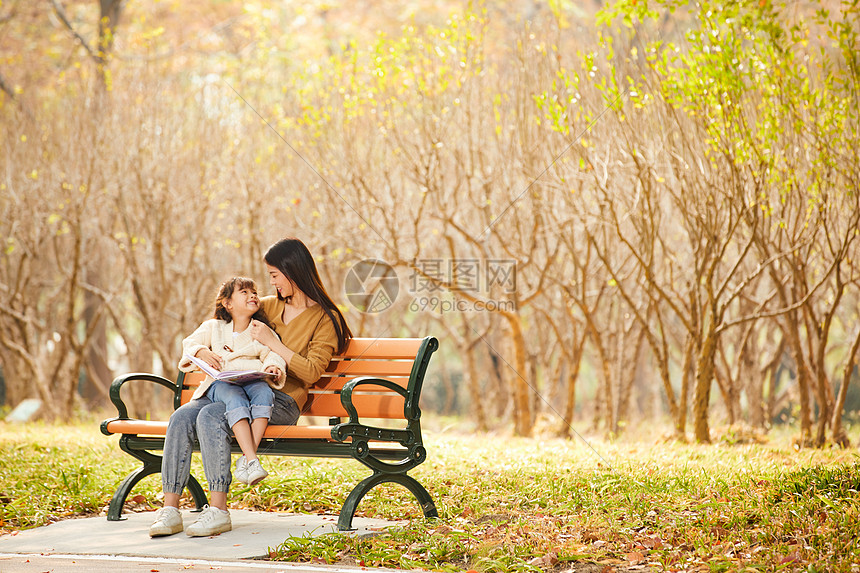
(312, 329)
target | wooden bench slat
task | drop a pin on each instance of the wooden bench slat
(368, 367)
(330, 386)
(336, 384)
(159, 428)
(389, 348)
(368, 406)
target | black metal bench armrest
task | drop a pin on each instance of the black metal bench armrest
(116, 386)
(346, 394)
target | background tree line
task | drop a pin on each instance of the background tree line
(676, 186)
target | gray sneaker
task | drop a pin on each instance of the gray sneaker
(168, 521)
(212, 521)
(255, 472)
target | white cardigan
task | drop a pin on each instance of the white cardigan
(240, 352)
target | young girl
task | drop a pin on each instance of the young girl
(225, 343)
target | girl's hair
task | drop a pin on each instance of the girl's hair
(227, 289)
(294, 260)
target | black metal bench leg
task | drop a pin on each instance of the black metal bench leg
(118, 499)
(151, 465)
(344, 522)
(197, 492)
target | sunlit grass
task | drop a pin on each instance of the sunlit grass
(506, 504)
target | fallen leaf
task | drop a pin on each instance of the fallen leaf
(793, 557)
(139, 499)
(635, 557)
(546, 561)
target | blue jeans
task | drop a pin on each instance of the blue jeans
(204, 421)
(251, 401)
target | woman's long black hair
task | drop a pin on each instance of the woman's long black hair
(294, 260)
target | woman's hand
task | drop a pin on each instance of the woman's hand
(277, 372)
(210, 358)
(263, 334)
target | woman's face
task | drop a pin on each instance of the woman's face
(282, 284)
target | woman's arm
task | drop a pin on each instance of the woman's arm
(272, 362)
(321, 347)
(267, 336)
(320, 350)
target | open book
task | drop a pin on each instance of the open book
(239, 377)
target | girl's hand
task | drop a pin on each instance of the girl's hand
(210, 358)
(261, 333)
(277, 372)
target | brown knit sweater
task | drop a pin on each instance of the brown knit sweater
(313, 338)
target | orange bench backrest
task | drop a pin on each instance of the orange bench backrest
(388, 358)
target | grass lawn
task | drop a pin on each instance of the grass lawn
(507, 504)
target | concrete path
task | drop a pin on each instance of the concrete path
(79, 544)
(23, 563)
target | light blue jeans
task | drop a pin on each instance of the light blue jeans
(204, 421)
(251, 401)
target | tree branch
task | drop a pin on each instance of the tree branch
(61, 14)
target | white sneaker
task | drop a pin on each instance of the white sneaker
(168, 521)
(212, 521)
(241, 471)
(255, 472)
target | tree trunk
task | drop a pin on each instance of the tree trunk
(823, 394)
(523, 422)
(109, 12)
(625, 392)
(447, 406)
(802, 370)
(684, 397)
(839, 436)
(771, 386)
(473, 386)
(98, 374)
(727, 391)
(704, 378)
(570, 404)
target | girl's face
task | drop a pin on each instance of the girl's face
(282, 284)
(243, 302)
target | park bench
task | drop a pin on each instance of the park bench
(373, 379)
